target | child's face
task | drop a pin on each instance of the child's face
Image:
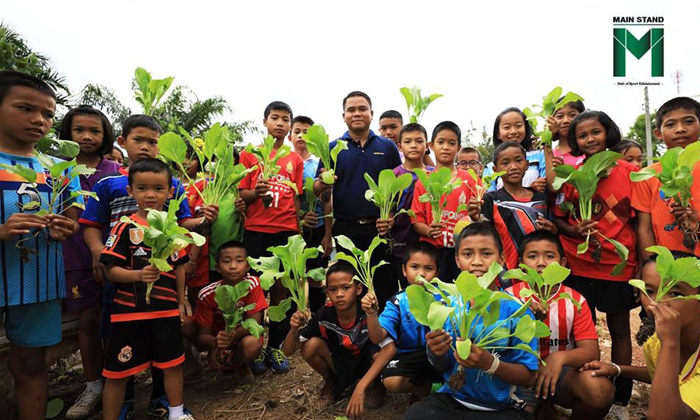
(419, 264)
(539, 254)
(87, 131)
(342, 290)
(476, 254)
(116, 156)
(413, 146)
(150, 189)
(512, 161)
(563, 117)
(277, 123)
(634, 156)
(298, 130)
(233, 264)
(141, 143)
(470, 160)
(191, 165)
(688, 309)
(512, 127)
(390, 128)
(357, 114)
(26, 115)
(590, 136)
(445, 146)
(679, 128)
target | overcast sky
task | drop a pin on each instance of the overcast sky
(483, 56)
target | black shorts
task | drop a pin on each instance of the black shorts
(611, 297)
(412, 365)
(256, 243)
(136, 345)
(313, 238)
(443, 406)
(528, 394)
(448, 270)
(349, 369)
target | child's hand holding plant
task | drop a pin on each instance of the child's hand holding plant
(150, 274)
(369, 304)
(474, 208)
(477, 359)
(61, 227)
(435, 230)
(384, 226)
(298, 320)
(438, 342)
(310, 220)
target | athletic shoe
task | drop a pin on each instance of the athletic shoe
(277, 361)
(187, 416)
(618, 412)
(127, 412)
(158, 408)
(84, 405)
(259, 364)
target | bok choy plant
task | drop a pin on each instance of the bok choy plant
(228, 299)
(416, 103)
(267, 162)
(548, 108)
(543, 287)
(386, 193)
(318, 143)
(438, 184)
(672, 271)
(361, 259)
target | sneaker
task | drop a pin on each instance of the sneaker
(159, 408)
(127, 412)
(277, 361)
(243, 374)
(618, 412)
(259, 364)
(84, 405)
(186, 416)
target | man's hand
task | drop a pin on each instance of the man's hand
(297, 320)
(384, 225)
(438, 342)
(21, 224)
(369, 304)
(599, 368)
(435, 230)
(668, 322)
(548, 375)
(327, 245)
(478, 359)
(224, 340)
(356, 405)
(310, 220)
(150, 274)
(210, 212)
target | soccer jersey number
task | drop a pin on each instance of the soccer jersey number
(28, 190)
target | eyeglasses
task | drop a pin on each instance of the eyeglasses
(469, 163)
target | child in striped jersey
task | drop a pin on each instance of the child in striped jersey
(573, 341)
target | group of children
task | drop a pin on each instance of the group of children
(354, 339)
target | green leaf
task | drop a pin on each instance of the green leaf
(173, 148)
(525, 329)
(554, 274)
(582, 248)
(32, 205)
(438, 314)
(279, 313)
(54, 408)
(255, 329)
(419, 302)
(27, 173)
(464, 348)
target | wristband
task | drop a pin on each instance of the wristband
(617, 369)
(494, 365)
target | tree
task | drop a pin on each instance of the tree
(484, 146)
(104, 99)
(638, 133)
(16, 55)
(182, 108)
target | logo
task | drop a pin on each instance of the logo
(597, 208)
(125, 354)
(76, 293)
(462, 198)
(626, 30)
(111, 240)
(136, 236)
(140, 252)
(393, 364)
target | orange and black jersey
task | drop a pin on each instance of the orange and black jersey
(351, 338)
(125, 248)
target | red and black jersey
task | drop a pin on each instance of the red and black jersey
(125, 248)
(351, 338)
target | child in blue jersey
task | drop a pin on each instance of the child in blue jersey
(139, 138)
(33, 279)
(409, 370)
(490, 378)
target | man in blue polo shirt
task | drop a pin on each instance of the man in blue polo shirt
(355, 217)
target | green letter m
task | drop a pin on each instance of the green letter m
(624, 41)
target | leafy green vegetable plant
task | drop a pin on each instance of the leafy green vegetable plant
(165, 237)
(486, 180)
(547, 109)
(473, 309)
(149, 91)
(360, 259)
(266, 162)
(318, 143)
(544, 286)
(416, 103)
(288, 265)
(387, 192)
(438, 184)
(585, 180)
(676, 174)
(228, 299)
(672, 271)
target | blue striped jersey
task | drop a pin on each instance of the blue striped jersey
(39, 276)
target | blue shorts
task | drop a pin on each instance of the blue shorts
(34, 325)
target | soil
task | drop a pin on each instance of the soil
(292, 395)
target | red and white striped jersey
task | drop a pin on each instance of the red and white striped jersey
(567, 323)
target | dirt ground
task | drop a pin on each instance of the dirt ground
(284, 396)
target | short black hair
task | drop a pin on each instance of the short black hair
(507, 145)
(625, 145)
(541, 235)
(278, 106)
(469, 149)
(577, 105)
(421, 247)
(479, 229)
(229, 245)
(340, 266)
(302, 119)
(357, 93)
(10, 79)
(412, 128)
(140, 120)
(150, 165)
(392, 114)
(66, 131)
(527, 141)
(612, 131)
(680, 102)
(449, 126)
